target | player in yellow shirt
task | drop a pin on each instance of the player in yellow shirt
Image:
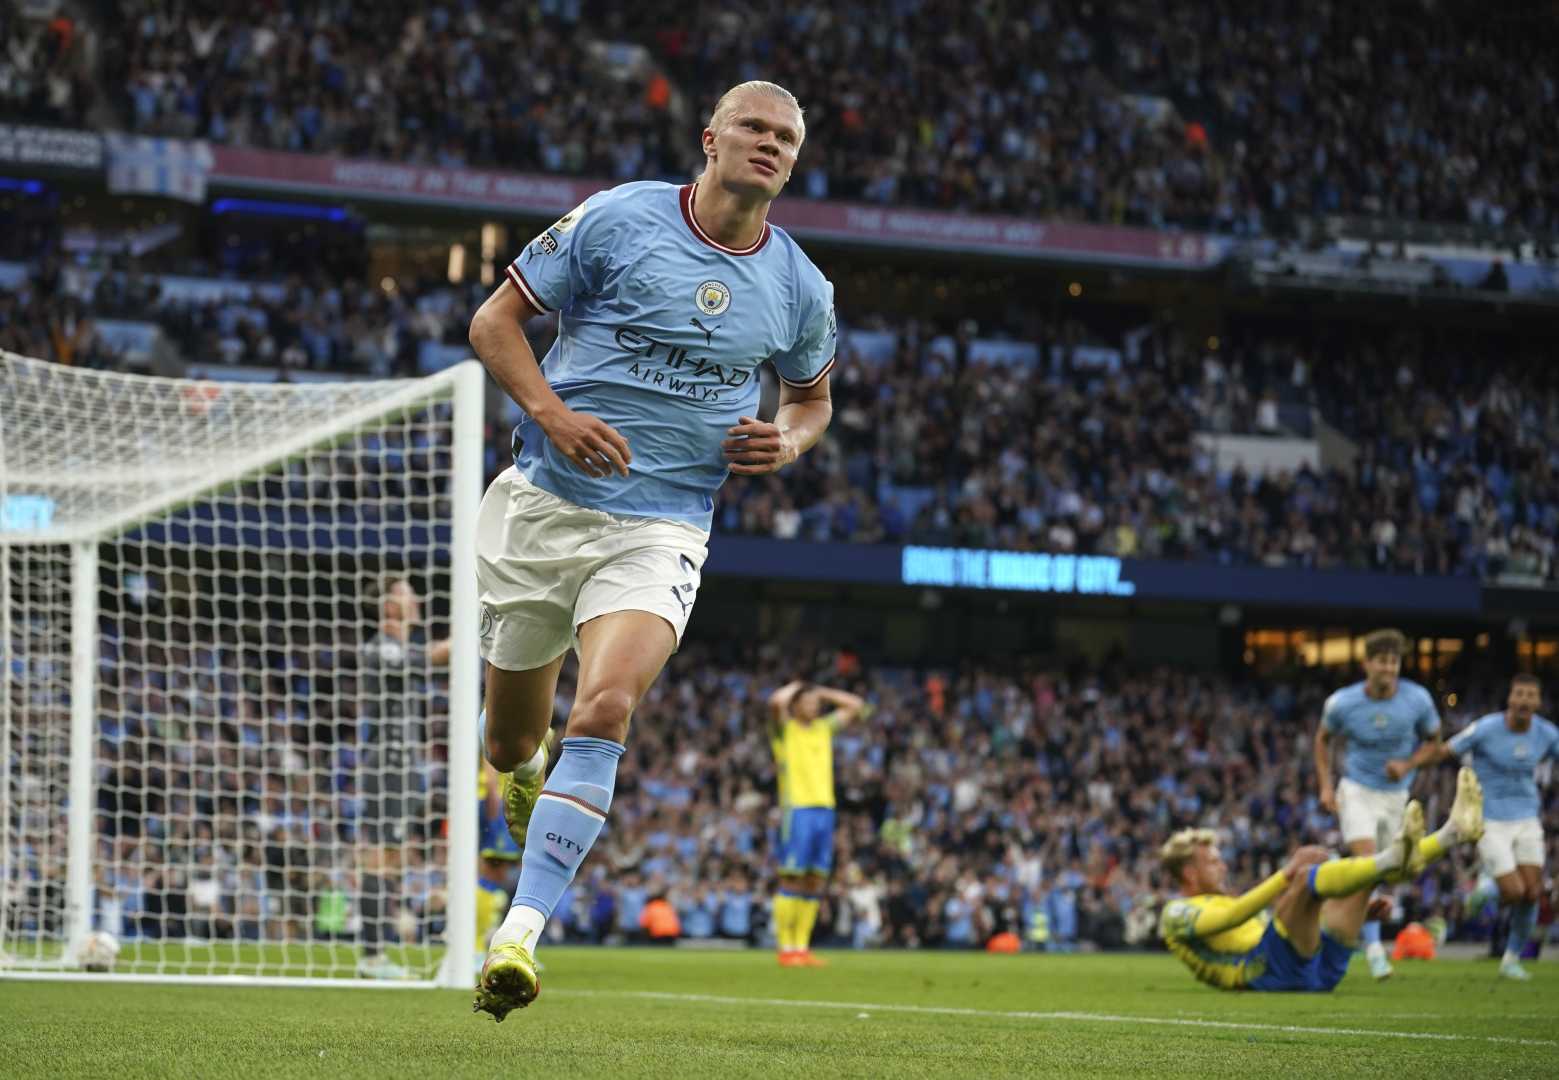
(802, 722)
(1284, 934)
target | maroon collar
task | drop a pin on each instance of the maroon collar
(686, 198)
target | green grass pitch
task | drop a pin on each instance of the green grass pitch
(689, 1014)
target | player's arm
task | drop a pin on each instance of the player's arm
(438, 652)
(1430, 752)
(498, 336)
(779, 704)
(754, 447)
(1430, 749)
(847, 707)
(1215, 919)
(1323, 767)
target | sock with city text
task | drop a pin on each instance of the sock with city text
(568, 817)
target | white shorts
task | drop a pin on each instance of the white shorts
(544, 566)
(1509, 844)
(1367, 814)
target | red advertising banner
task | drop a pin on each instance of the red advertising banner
(481, 189)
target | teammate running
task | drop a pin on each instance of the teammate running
(668, 299)
(1505, 749)
(1383, 717)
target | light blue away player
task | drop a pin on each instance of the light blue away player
(1506, 762)
(668, 300)
(1505, 750)
(1378, 731)
(1380, 720)
(661, 333)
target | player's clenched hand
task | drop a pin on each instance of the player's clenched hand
(755, 447)
(1396, 769)
(1303, 859)
(1329, 799)
(589, 442)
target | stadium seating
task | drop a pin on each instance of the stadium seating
(1040, 802)
(1183, 114)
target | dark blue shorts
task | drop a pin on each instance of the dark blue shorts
(1287, 970)
(808, 840)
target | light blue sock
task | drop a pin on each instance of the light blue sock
(481, 734)
(1369, 933)
(1482, 893)
(567, 819)
(1523, 917)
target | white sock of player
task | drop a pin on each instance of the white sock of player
(523, 925)
(527, 769)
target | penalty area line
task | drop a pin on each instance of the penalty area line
(1064, 1015)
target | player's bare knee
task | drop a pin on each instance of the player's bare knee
(1512, 892)
(1531, 893)
(507, 752)
(603, 714)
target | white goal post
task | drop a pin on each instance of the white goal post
(223, 739)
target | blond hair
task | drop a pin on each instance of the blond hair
(727, 103)
(1176, 853)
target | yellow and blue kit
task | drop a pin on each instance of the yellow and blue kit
(1234, 943)
(804, 755)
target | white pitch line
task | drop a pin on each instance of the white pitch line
(1095, 1018)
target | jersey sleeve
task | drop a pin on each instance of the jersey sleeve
(808, 361)
(1332, 713)
(1178, 920)
(569, 258)
(1462, 743)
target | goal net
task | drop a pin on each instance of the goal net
(232, 738)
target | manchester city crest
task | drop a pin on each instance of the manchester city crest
(712, 298)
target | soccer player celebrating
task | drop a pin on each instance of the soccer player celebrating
(668, 300)
(1505, 749)
(1297, 930)
(802, 737)
(1383, 717)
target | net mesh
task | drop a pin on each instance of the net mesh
(270, 734)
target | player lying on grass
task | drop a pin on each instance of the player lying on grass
(1288, 933)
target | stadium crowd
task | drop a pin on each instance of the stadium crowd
(1453, 475)
(935, 442)
(973, 802)
(1215, 116)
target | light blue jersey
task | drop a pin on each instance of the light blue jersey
(1379, 730)
(1506, 763)
(661, 331)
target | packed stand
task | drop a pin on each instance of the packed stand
(973, 802)
(931, 446)
(1409, 112)
(512, 85)
(46, 69)
(1058, 112)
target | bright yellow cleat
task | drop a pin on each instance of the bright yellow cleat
(509, 981)
(519, 796)
(1407, 841)
(1467, 810)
